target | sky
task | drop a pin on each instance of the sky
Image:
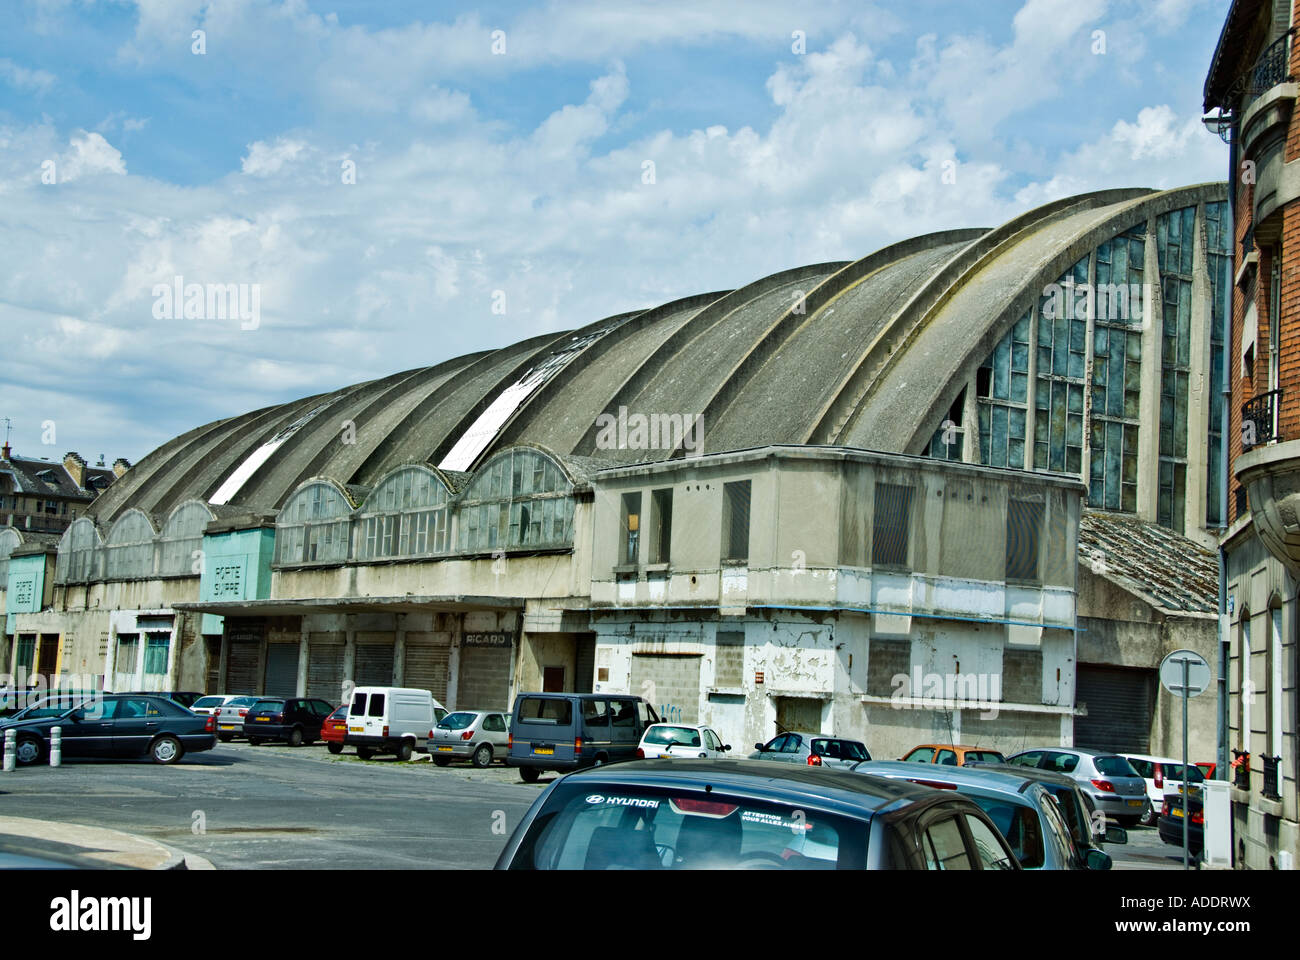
(391, 184)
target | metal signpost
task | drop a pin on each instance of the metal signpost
(1185, 674)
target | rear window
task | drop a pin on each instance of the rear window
(1114, 767)
(457, 721)
(594, 826)
(662, 736)
(359, 704)
(1174, 771)
(268, 706)
(983, 756)
(341, 713)
(840, 749)
(209, 701)
(242, 701)
(1019, 825)
(545, 710)
(376, 705)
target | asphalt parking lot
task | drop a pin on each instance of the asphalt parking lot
(269, 806)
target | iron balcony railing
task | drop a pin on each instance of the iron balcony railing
(1241, 776)
(1259, 419)
(1270, 778)
(1272, 67)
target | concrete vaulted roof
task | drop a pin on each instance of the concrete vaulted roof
(868, 353)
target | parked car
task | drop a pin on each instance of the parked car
(1076, 807)
(1024, 811)
(394, 720)
(211, 703)
(1108, 778)
(951, 754)
(334, 729)
(1162, 774)
(230, 717)
(565, 731)
(1170, 822)
(813, 749)
(295, 720)
(116, 725)
(1207, 768)
(749, 815)
(681, 740)
(479, 736)
(183, 697)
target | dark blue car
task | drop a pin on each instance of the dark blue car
(113, 725)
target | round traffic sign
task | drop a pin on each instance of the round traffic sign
(1197, 673)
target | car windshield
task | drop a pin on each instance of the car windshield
(600, 826)
(209, 701)
(52, 707)
(1019, 824)
(662, 736)
(457, 721)
(1067, 804)
(1114, 767)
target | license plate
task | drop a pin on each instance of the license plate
(1176, 812)
(445, 749)
(356, 729)
(262, 719)
(547, 751)
(225, 726)
(1135, 803)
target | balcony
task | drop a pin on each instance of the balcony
(1270, 472)
(1268, 94)
(1273, 66)
(1259, 419)
(1241, 771)
(1270, 790)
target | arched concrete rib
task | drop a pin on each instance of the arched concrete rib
(716, 312)
(404, 443)
(950, 348)
(211, 452)
(838, 417)
(817, 298)
(557, 344)
(518, 425)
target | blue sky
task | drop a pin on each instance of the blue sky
(512, 177)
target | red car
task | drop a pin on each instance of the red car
(334, 728)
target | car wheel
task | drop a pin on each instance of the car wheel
(1148, 819)
(295, 737)
(529, 774)
(483, 756)
(334, 747)
(440, 761)
(29, 751)
(599, 761)
(255, 741)
(404, 750)
(166, 750)
(365, 753)
(225, 737)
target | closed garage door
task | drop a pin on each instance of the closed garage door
(670, 682)
(325, 667)
(426, 663)
(484, 681)
(1119, 705)
(585, 671)
(374, 667)
(242, 668)
(281, 670)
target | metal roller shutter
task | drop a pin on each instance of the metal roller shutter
(671, 683)
(374, 665)
(585, 670)
(281, 669)
(426, 667)
(484, 681)
(1119, 705)
(242, 668)
(325, 668)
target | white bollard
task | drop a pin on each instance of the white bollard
(56, 747)
(11, 750)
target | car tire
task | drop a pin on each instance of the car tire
(295, 737)
(404, 750)
(334, 747)
(483, 756)
(254, 741)
(1149, 819)
(600, 760)
(529, 774)
(225, 737)
(29, 750)
(440, 761)
(365, 753)
(166, 750)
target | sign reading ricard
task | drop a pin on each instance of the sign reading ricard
(485, 640)
(75, 913)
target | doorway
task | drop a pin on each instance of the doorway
(553, 680)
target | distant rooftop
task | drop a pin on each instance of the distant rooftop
(1169, 571)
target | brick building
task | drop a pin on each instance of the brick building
(1251, 89)
(41, 496)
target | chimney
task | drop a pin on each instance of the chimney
(4, 451)
(120, 466)
(76, 468)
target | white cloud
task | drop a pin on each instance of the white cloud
(23, 78)
(89, 154)
(265, 159)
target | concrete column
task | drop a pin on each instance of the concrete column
(349, 653)
(223, 657)
(453, 623)
(970, 418)
(399, 650)
(174, 651)
(304, 658)
(1031, 397)
(110, 658)
(1149, 405)
(1088, 359)
(1199, 390)
(261, 659)
(141, 644)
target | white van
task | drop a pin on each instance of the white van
(391, 720)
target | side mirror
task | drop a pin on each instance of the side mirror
(1115, 835)
(726, 747)
(1098, 860)
(760, 748)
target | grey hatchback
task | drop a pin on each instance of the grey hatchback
(475, 735)
(813, 749)
(1115, 787)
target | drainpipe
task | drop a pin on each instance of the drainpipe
(1226, 386)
